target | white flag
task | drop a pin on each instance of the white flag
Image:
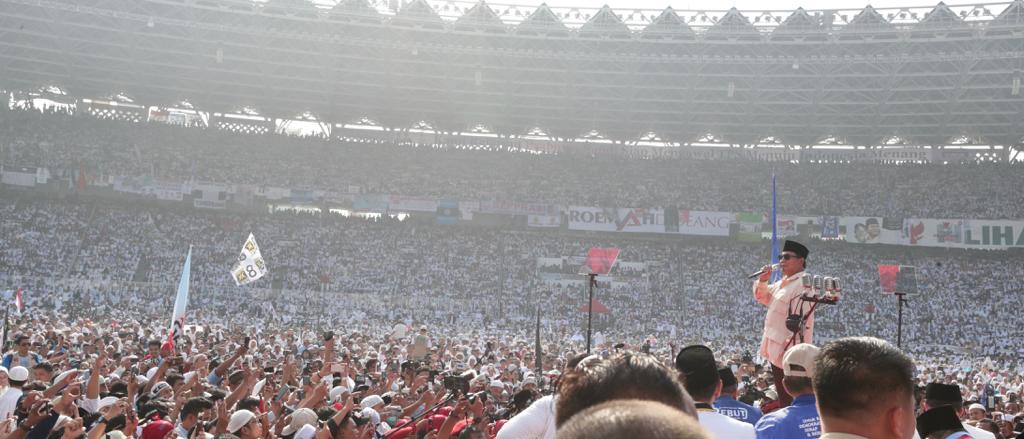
(250, 265)
(180, 302)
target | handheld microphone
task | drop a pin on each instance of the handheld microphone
(760, 272)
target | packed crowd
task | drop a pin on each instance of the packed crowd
(123, 260)
(387, 328)
(170, 153)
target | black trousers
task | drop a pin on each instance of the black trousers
(784, 397)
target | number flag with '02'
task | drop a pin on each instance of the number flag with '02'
(250, 265)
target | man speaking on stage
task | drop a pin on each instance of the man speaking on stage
(783, 301)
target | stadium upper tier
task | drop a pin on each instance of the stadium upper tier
(925, 74)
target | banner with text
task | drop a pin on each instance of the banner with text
(867, 155)
(635, 220)
(506, 207)
(699, 222)
(544, 221)
(401, 203)
(976, 234)
(750, 226)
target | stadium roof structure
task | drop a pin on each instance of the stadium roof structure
(922, 74)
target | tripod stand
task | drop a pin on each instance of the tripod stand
(591, 282)
(901, 298)
(815, 301)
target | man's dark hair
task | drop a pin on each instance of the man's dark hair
(798, 385)
(701, 386)
(624, 376)
(153, 343)
(730, 389)
(194, 406)
(249, 403)
(236, 378)
(45, 365)
(155, 407)
(852, 374)
(34, 386)
(217, 394)
(174, 378)
(119, 389)
(633, 419)
(20, 338)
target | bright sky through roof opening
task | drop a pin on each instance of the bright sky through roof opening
(750, 5)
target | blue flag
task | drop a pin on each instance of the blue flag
(180, 302)
(777, 274)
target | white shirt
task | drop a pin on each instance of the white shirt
(9, 402)
(536, 422)
(724, 427)
(975, 432)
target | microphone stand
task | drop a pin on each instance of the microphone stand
(415, 419)
(803, 319)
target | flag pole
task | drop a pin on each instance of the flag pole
(775, 236)
(537, 348)
(7, 324)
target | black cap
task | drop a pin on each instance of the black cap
(697, 362)
(871, 221)
(943, 392)
(795, 247)
(728, 378)
(938, 419)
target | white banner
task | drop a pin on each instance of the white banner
(18, 176)
(466, 208)
(711, 153)
(165, 191)
(401, 203)
(698, 222)
(977, 234)
(506, 207)
(250, 265)
(544, 221)
(209, 204)
(870, 230)
(635, 220)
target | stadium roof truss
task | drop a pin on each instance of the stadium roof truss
(926, 75)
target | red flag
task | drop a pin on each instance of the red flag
(887, 277)
(601, 260)
(81, 183)
(17, 301)
(598, 307)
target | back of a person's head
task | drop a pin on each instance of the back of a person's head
(627, 375)
(631, 419)
(853, 375)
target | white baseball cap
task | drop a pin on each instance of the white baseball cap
(239, 419)
(799, 360)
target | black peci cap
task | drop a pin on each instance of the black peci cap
(796, 247)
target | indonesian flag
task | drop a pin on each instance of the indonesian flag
(17, 301)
